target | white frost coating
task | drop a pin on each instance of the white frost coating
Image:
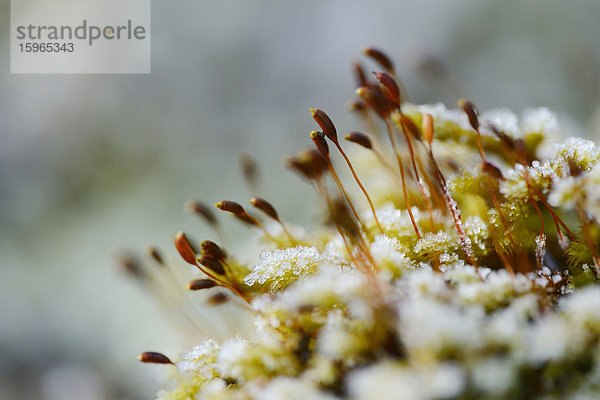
(288, 388)
(281, 266)
(390, 381)
(579, 151)
(440, 114)
(494, 376)
(433, 242)
(592, 192)
(433, 327)
(541, 120)
(398, 221)
(502, 119)
(278, 263)
(540, 248)
(195, 359)
(540, 175)
(387, 250)
(477, 230)
(230, 355)
(582, 307)
(329, 285)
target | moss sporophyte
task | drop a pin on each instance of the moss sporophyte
(459, 262)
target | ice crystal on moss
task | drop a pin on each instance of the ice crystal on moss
(278, 268)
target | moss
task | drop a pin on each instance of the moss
(453, 285)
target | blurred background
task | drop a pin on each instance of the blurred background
(93, 164)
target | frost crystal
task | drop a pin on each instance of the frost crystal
(280, 267)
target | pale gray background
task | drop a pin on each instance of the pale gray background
(93, 164)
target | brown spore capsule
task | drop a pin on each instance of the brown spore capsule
(184, 248)
(212, 264)
(325, 123)
(471, 111)
(428, 131)
(359, 138)
(309, 163)
(200, 284)
(491, 170)
(391, 90)
(314, 161)
(318, 139)
(375, 100)
(230, 206)
(153, 253)
(265, 207)
(212, 249)
(410, 127)
(249, 169)
(152, 357)
(356, 106)
(294, 164)
(202, 211)
(132, 266)
(217, 298)
(340, 216)
(359, 74)
(381, 58)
